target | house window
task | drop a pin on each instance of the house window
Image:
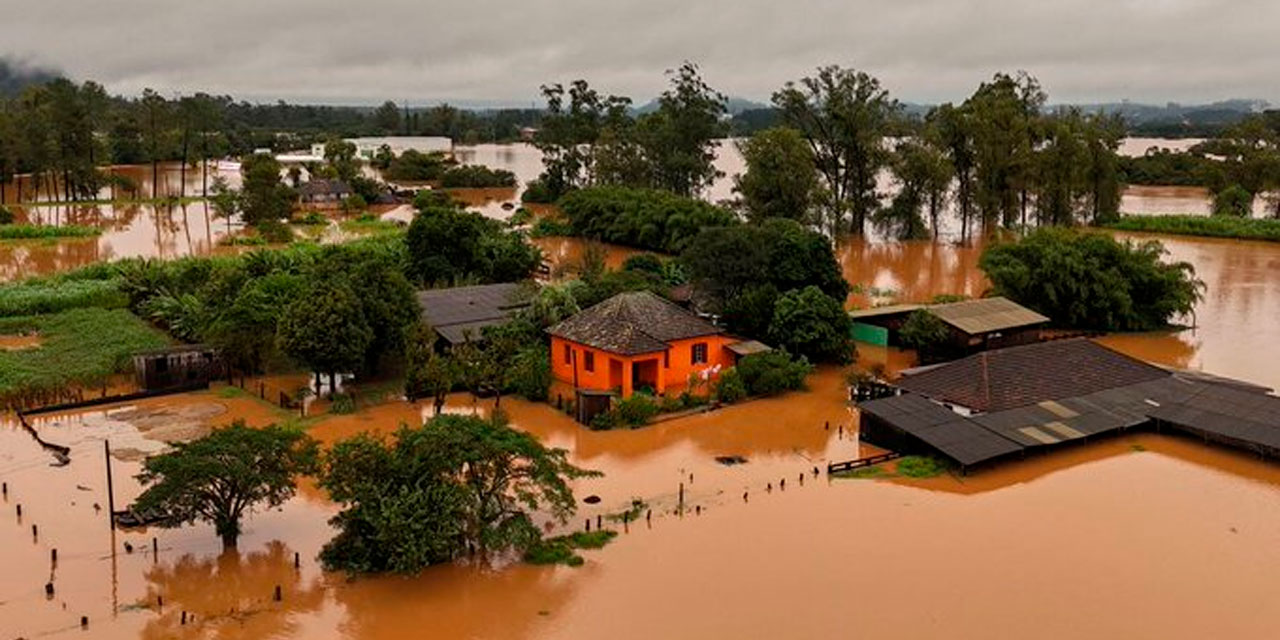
(589, 362)
(568, 354)
(700, 353)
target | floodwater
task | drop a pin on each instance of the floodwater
(1101, 528)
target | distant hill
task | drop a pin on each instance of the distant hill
(14, 77)
(734, 105)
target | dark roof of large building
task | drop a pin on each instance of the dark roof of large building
(985, 315)
(461, 313)
(941, 428)
(323, 187)
(632, 323)
(1025, 375)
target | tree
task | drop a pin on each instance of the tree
(1005, 115)
(341, 157)
(781, 180)
(428, 373)
(925, 333)
(679, 138)
(644, 218)
(219, 477)
(447, 245)
(922, 174)
(953, 126)
(844, 114)
(569, 132)
(1091, 281)
(810, 323)
(263, 197)
(387, 118)
(1233, 201)
(432, 494)
(244, 331)
(156, 113)
(225, 200)
(326, 329)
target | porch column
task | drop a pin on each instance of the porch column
(662, 377)
(626, 378)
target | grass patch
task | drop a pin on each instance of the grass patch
(40, 231)
(563, 549)
(243, 241)
(369, 223)
(874, 471)
(1208, 226)
(920, 467)
(55, 295)
(232, 391)
(79, 348)
(1137, 448)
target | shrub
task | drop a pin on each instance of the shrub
(6, 216)
(343, 403)
(644, 218)
(812, 324)
(474, 176)
(636, 410)
(771, 373)
(729, 386)
(274, 231)
(1234, 201)
(1208, 226)
(537, 192)
(354, 202)
(545, 227)
(54, 295)
(920, 467)
(644, 263)
(417, 166)
(924, 332)
(313, 218)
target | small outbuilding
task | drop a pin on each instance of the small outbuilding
(321, 190)
(975, 325)
(179, 368)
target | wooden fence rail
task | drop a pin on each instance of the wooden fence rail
(850, 465)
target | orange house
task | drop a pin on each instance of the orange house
(636, 340)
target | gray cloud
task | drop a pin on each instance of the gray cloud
(502, 50)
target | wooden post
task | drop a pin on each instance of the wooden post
(682, 495)
(111, 494)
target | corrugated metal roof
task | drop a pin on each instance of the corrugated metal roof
(749, 347)
(985, 315)
(887, 310)
(946, 431)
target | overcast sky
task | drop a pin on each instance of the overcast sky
(425, 51)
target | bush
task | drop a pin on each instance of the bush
(644, 263)
(274, 231)
(353, 203)
(530, 373)
(1234, 201)
(343, 404)
(6, 216)
(1086, 280)
(447, 245)
(920, 467)
(546, 226)
(417, 166)
(644, 218)
(730, 387)
(537, 192)
(772, 373)
(476, 177)
(313, 218)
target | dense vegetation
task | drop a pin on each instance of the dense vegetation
(1092, 281)
(1210, 226)
(220, 477)
(476, 177)
(39, 232)
(435, 493)
(450, 246)
(644, 218)
(775, 281)
(79, 349)
(762, 375)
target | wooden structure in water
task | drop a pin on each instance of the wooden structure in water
(177, 368)
(850, 465)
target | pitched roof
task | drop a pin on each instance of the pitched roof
(887, 310)
(461, 311)
(1028, 374)
(632, 323)
(323, 187)
(985, 315)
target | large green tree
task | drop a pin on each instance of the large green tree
(844, 114)
(1088, 280)
(264, 198)
(812, 324)
(326, 329)
(431, 494)
(220, 477)
(680, 137)
(781, 180)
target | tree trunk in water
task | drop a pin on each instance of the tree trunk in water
(155, 181)
(229, 541)
(333, 384)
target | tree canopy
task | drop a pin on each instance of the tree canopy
(1092, 281)
(220, 477)
(431, 494)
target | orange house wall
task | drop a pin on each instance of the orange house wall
(673, 370)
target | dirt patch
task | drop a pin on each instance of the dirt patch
(172, 423)
(19, 343)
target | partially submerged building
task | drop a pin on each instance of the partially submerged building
(460, 314)
(638, 339)
(975, 325)
(321, 190)
(1010, 402)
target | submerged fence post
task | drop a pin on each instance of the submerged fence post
(111, 494)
